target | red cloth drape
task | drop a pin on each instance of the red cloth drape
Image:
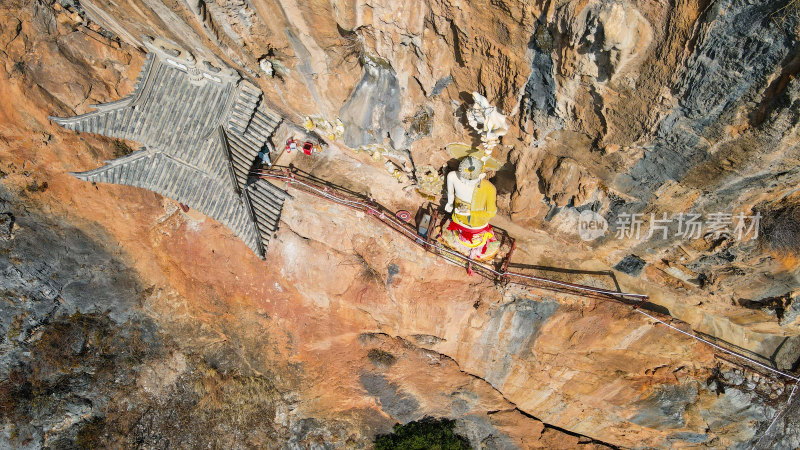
(467, 233)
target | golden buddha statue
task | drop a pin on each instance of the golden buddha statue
(473, 202)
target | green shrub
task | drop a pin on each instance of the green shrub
(780, 229)
(425, 434)
(121, 149)
(89, 436)
(381, 358)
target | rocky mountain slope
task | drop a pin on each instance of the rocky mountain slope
(129, 322)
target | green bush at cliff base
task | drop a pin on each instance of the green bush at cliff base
(425, 434)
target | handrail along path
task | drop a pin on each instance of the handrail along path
(371, 208)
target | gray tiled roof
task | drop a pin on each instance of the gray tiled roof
(202, 128)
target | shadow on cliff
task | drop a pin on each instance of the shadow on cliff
(607, 278)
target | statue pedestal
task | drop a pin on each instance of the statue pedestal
(477, 244)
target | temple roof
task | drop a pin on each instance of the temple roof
(202, 128)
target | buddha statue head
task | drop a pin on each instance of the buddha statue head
(469, 169)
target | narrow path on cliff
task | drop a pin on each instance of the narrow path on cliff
(638, 302)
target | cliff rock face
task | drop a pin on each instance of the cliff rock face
(128, 321)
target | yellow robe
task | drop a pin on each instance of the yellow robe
(482, 208)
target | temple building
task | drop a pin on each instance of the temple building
(202, 128)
